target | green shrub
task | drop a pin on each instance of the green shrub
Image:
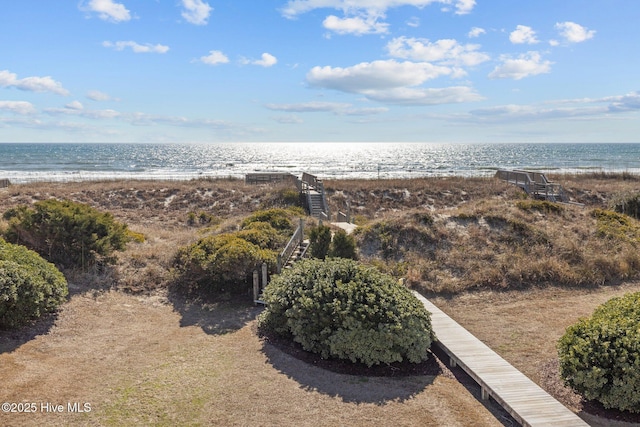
(262, 234)
(66, 233)
(616, 226)
(600, 356)
(342, 309)
(320, 241)
(540, 206)
(343, 246)
(29, 286)
(277, 218)
(223, 263)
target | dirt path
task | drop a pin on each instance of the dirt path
(146, 361)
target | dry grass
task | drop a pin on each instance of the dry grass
(142, 358)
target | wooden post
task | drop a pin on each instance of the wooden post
(279, 264)
(256, 287)
(264, 274)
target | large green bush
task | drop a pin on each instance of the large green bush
(66, 233)
(600, 355)
(29, 286)
(276, 217)
(345, 310)
(343, 245)
(222, 263)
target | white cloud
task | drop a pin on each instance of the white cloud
(32, 84)
(426, 96)
(391, 82)
(136, 47)
(413, 22)
(308, 107)
(523, 35)
(288, 120)
(375, 75)
(75, 105)
(446, 51)
(357, 25)
(267, 60)
(215, 57)
(528, 64)
(17, 107)
(196, 11)
(574, 33)
(476, 32)
(361, 16)
(331, 107)
(96, 95)
(108, 10)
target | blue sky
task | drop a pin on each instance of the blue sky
(319, 70)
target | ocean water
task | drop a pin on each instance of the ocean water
(21, 162)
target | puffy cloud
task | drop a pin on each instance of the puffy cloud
(96, 95)
(196, 11)
(308, 107)
(523, 35)
(425, 96)
(361, 16)
(628, 102)
(266, 60)
(331, 107)
(108, 10)
(136, 47)
(357, 25)
(375, 75)
(528, 64)
(574, 33)
(17, 107)
(75, 105)
(32, 84)
(476, 32)
(446, 51)
(391, 82)
(215, 57)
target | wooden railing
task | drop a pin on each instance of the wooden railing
(534, 183)
(294, 243)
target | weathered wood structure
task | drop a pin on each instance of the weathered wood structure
(269, 178)
(527, 403)
(313, 194)
(535, 184)
(4, 183)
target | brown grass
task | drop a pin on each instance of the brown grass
(143, 357)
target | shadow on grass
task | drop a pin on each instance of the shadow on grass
(215, 317)
(11, 340)
(353, 383)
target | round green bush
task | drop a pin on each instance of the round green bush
(67, 233)
(345, 310)
(29, 286)
(600, 356)
(222, 263)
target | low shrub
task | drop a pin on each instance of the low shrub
(222, 263)
(66, 233)
(600, 356)
(276, 217)
(29, 286)
(342, 309)
(320, 241)
(540, 206)
(263, 235)
(617, 226)
(628, 205)
(343, 245)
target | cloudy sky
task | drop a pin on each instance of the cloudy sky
(320, 70)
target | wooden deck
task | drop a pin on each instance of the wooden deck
(527, 403)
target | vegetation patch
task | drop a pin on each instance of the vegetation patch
(342, 309)
(617, 226)
(600, 356)
(540, 206)
(29, 286)
(67, 233)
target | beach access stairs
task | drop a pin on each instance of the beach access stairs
(534, 184)
(312, 191)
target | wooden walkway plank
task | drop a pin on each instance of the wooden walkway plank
(529, 404)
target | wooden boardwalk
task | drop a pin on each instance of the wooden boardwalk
(527, 403)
